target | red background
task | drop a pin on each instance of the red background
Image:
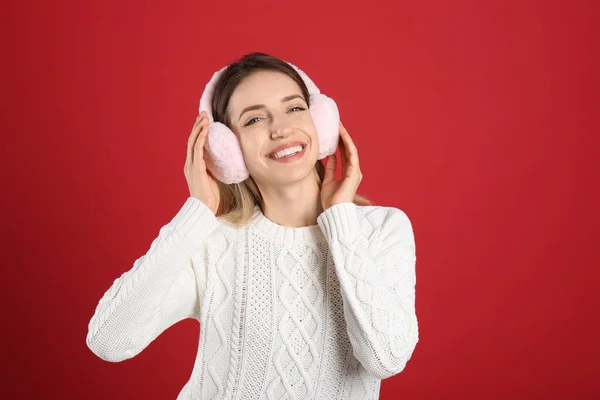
(478, 119)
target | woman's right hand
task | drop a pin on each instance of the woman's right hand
(201, 184)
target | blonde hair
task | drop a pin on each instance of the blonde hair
(238, 200)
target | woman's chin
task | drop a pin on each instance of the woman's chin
(278, 172)
(287, 175)
(292, 176)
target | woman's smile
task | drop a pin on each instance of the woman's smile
(288, 154)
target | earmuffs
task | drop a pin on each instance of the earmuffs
(223, 154)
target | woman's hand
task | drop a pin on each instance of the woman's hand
(201, 184)
(332, 191)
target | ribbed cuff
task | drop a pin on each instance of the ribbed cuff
(194, 219)
(339, 220)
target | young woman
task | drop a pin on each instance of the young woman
(302, 289)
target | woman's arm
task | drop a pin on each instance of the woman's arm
(159, 290)
(375, 262)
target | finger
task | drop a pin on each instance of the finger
(351, 153)
(330, 167)
(199, 145)
(343, 145)
(192, 140)
(343, 153)
(351, 167)
(201, 122)
(343, 128)
(351, 149)
(194, 131)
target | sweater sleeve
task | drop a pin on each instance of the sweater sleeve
(159, 290)
(375, 263)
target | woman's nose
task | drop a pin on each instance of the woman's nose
(280, 129)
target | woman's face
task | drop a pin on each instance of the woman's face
(279, 142)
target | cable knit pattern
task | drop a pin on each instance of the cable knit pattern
(377, 278)
(318, 312)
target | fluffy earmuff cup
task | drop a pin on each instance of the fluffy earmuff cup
(225, 160)
(326, 117)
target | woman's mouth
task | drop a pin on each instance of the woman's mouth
(289, 154)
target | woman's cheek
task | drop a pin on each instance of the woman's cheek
(250, 148)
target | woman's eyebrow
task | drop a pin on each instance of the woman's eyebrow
(259, 106)
(291, 97)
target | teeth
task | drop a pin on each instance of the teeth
(287, 152)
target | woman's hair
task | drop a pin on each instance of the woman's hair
(239, 199)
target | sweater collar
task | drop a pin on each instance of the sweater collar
(287, 234)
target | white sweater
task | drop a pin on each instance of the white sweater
(317, 312)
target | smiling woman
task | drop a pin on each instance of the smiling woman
(282, 121)
(240, 92)
(302, 288)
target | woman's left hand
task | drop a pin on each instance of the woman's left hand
(344, 190)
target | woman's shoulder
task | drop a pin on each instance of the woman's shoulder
(379, 216)
(198, 222)
(380, 211)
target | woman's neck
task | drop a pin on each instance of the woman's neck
(293, 205)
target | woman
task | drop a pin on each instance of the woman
(302, 291)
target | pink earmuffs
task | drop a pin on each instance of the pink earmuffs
(225, 160)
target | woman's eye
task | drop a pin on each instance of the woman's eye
(252, 121)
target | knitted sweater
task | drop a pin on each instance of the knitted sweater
(317, 312)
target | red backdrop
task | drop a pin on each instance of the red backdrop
(478, 119)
